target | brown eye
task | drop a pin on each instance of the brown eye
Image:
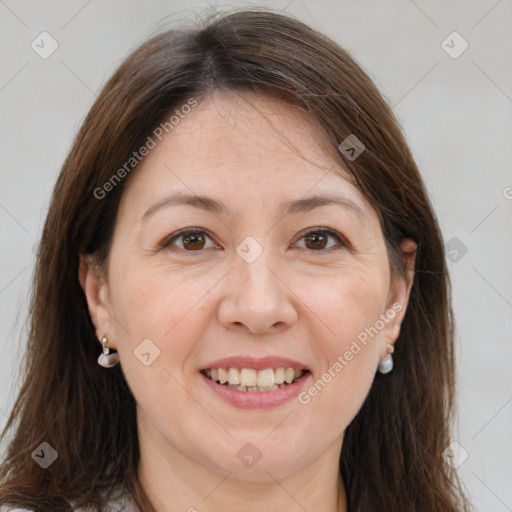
(317, 240)
(191, 240)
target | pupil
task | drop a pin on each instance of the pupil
(315, 239)
(193, 239)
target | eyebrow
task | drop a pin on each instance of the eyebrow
(296, 206)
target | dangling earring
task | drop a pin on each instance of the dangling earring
(386, 365)
(107, 359)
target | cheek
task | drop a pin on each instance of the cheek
(161, 305)
(350, 304)
(351, 308)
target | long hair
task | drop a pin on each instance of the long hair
(391, 457)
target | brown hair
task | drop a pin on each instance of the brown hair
(391, 457)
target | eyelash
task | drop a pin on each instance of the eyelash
(166, 244)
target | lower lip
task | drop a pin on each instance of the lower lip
(256, 399)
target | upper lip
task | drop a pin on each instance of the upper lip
(256, 363)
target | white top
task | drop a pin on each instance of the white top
(116, 505)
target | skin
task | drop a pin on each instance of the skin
(301, 300)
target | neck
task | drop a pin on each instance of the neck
(174, 481)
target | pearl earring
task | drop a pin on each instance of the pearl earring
(386, 365)
(107, 359)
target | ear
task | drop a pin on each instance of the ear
(400, 290)
(95, 287)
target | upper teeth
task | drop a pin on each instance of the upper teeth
(251, 378)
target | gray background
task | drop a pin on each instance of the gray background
(456, 112)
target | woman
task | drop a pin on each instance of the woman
(241, 234)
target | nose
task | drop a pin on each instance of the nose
(257, 297)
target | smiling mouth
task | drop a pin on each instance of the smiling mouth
(248, 379)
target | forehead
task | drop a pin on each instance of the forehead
(241, 148)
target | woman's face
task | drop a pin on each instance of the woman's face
(255, 286)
